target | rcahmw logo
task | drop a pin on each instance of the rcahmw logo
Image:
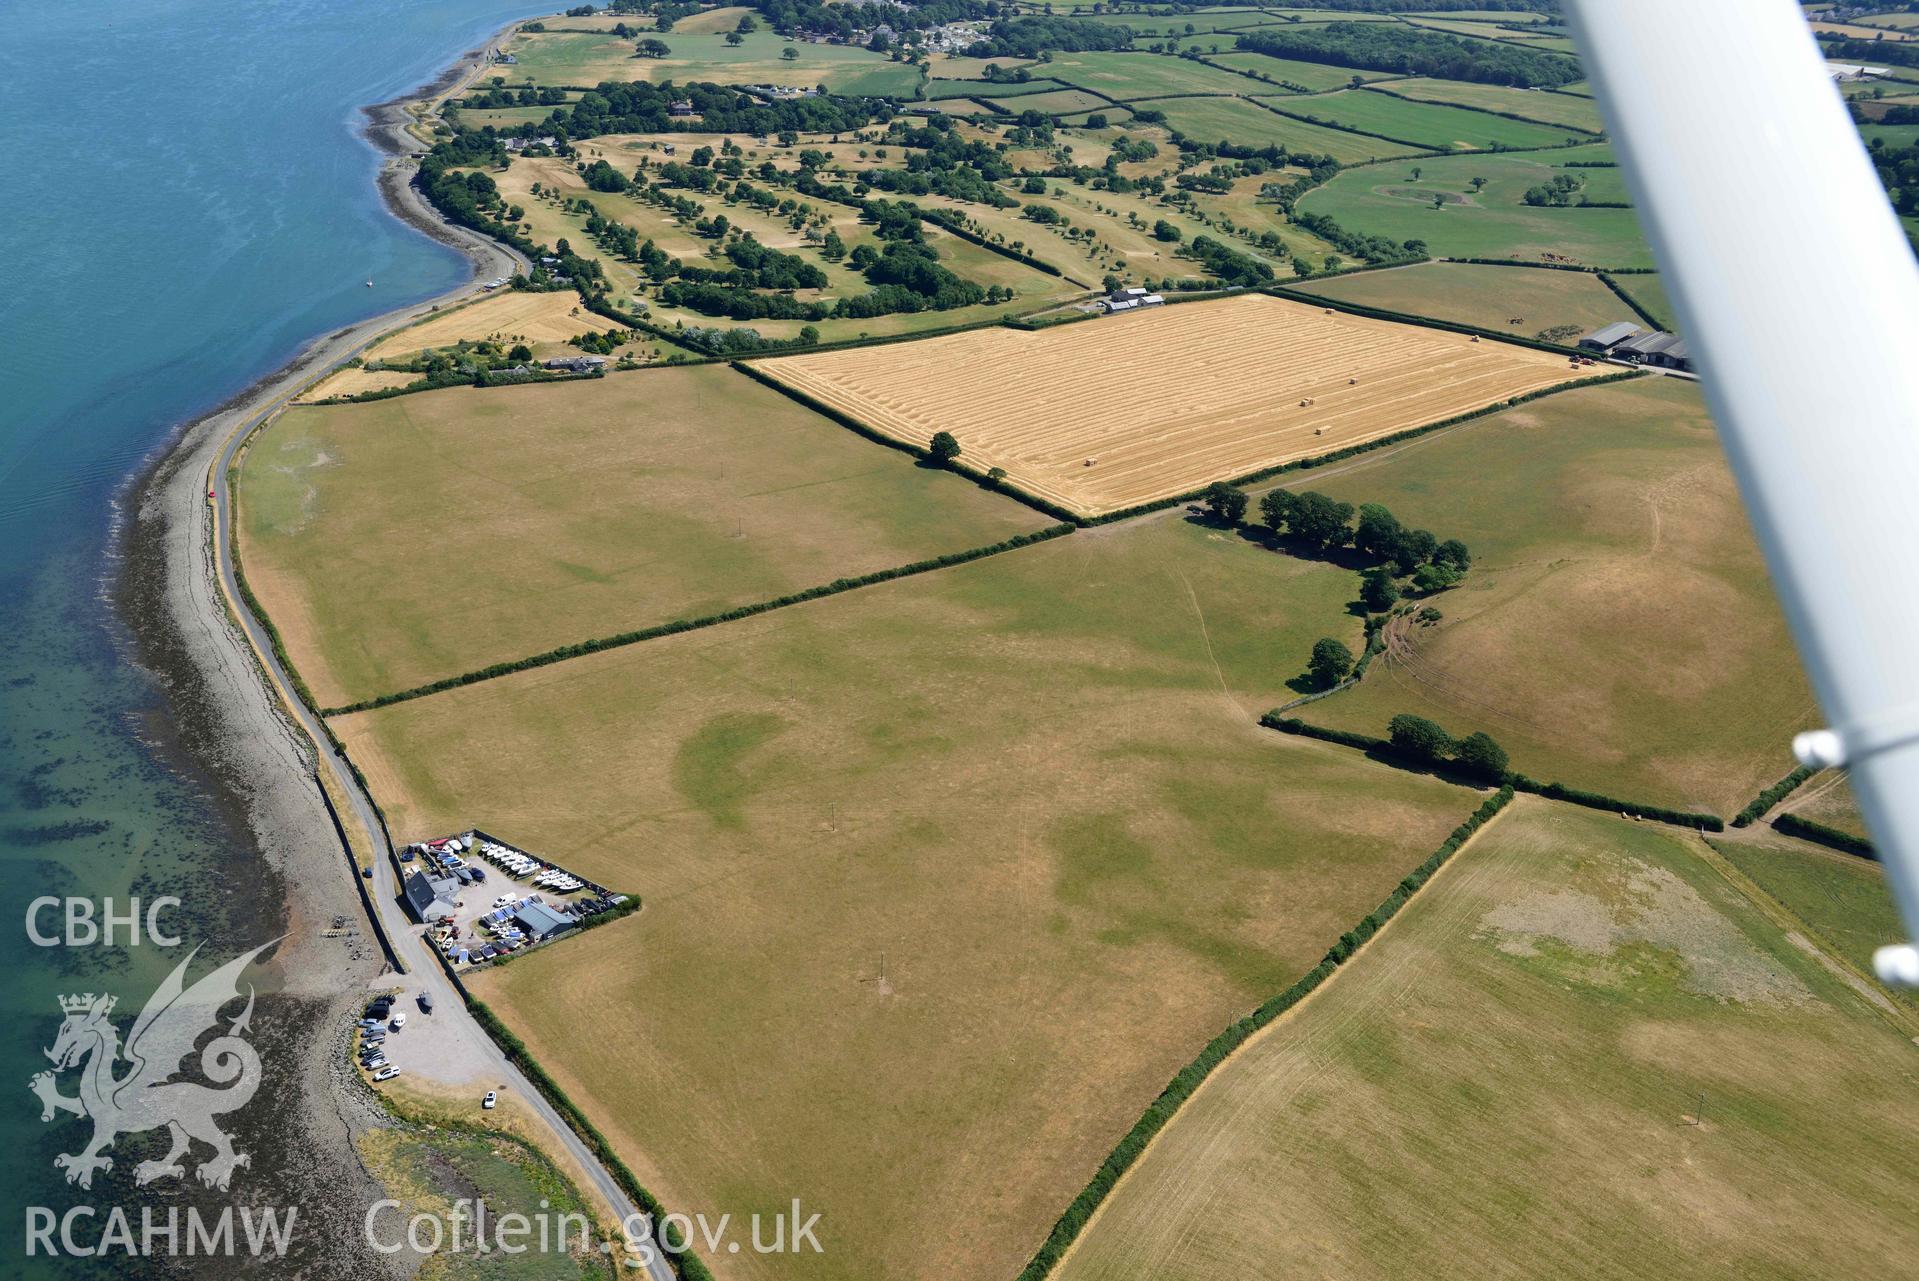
(131, 1088)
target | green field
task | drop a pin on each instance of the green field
(1648, 289)
(576, 58)
(1618, 631)
(1059, 102)
(1239, 121)
(404, 540)
(1492, 222)
(1518, 300)
(1309, 75)
(1842, 898)
(967, 863)
(936, 89)
(1144, 75)
(1177, 24)
(1425, 124)
(1578, 1053)
(1891, 135)
(506, 117)
(1534, 104)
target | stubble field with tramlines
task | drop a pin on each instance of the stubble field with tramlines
(1130, 409)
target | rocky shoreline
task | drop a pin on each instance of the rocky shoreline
(223, 724)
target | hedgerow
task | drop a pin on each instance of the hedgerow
(1519, 782)
(594, 646)
(853, 424)
(1806, 829)
(1778, 792)
(1182, 1086)
(1606, 279)
(688, 1265)
(1350, 451)
(1600, 801)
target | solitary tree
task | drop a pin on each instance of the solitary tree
(1330, 663)
(1419, 738)
(652, 47)
(944, 448)
(1377, 590)
(1439, 201)
(1477, 183)
(1165, 231)
(735, 38)
(1224, 503)
(790, 54)
(1477, 753)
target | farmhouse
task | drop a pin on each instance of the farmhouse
(577, 364)
(1604, 340)
(683, 107)
(430, 899)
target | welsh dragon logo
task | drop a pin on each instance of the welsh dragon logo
(145, 1096)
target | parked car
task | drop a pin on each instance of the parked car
(492, 1098)
(386, 1073)
(399, 1021)
(426, 1002)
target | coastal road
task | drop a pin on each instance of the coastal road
(425, 973)
(455, 1030)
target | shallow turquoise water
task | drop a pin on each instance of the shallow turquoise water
(187, 202)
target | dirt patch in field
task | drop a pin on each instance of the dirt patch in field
(1651, 905)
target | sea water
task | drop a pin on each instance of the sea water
(185, 200)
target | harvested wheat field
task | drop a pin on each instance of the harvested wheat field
(353, 381)
(1110, 413)
(511, 316)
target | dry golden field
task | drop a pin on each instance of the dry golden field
(353, 380)
(509, 316)
(944, 878)
(1579, 1052)
(1123, 410)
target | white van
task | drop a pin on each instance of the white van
(399, 1021)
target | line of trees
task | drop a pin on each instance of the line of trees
(1413, 51)
(1321, 524)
